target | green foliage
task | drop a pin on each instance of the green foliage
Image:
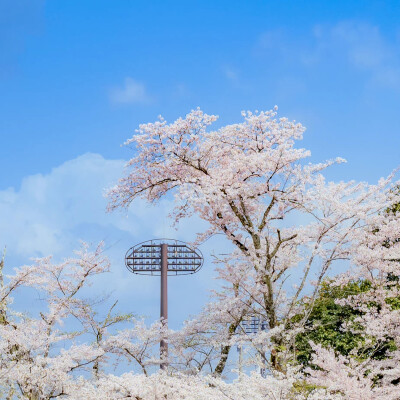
(302, 389)
(324, 323)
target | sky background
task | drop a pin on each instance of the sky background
(77, 78)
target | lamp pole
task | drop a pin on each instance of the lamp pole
(164, 302)
(163, 257)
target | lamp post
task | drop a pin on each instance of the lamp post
(252, 326)
(163, 257)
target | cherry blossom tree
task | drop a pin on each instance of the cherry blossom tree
(252, 184)
(29, 367)
(289, 229)
(362, 375)
(42, 355)
(47, 357)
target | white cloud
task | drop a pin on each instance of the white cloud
(230, 73)
(367, 49)
(271, 39)
(234, 77)
(38, 219)
(181, 91)
(50, 213)
(360, 46)
(132, 91)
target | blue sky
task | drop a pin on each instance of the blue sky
(76, 79)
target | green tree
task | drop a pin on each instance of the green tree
(325, 320)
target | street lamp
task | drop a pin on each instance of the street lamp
(251, 326)
(163, 257)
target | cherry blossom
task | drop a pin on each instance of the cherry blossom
(289, 228)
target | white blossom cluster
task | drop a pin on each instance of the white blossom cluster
(251, 183)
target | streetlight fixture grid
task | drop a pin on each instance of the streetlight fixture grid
(145, 258)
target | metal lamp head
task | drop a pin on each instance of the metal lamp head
(145, 258)
(163, 257)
